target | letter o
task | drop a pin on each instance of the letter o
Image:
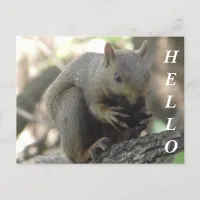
(167, 145)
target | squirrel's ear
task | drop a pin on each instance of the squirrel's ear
(143, 49)
(109, 53)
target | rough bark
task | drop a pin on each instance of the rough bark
(149, 149)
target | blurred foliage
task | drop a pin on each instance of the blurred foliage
(70, 46)
(158, 126)
(179, 158)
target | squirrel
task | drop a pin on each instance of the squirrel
(81, 98)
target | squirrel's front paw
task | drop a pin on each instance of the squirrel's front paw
(145, 118)
(101, 145)
(111, 117)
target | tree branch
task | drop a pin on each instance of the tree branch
(148, 149)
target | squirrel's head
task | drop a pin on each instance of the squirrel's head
(126, 72)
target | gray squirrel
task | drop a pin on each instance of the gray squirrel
(86, 100)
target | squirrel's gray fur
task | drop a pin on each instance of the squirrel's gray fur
(86, 81)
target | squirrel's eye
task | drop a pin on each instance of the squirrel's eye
(117, 77)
